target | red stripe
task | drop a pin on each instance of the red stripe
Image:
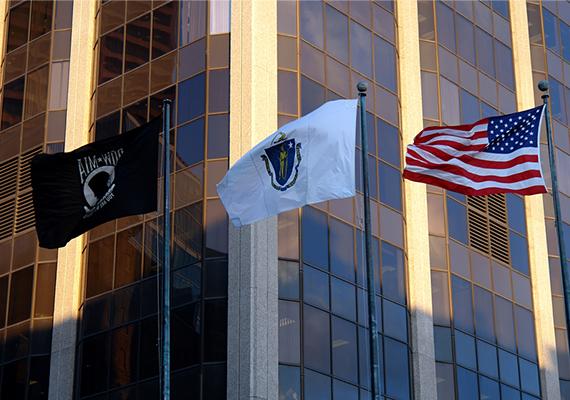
(417, 177)
(424, 139)
(475, 161)
(467, 127)
(453, 169)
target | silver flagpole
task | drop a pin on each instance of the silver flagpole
(372, 323)
(165, 365)
(543, 87)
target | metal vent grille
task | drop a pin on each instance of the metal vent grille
(8, 177)
(25, 170)
(6, 218)
(488, 230)
(25, 218)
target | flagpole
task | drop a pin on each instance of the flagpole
(543, 87)
(165, 320)
(372, 323)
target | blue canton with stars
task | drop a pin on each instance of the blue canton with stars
(512, 132)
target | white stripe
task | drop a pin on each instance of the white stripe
(462, 180)
(465, 141)
(526, 166)
(456, 132)
(481, 155)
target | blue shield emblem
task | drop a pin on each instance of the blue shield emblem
(282, 161)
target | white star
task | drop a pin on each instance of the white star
(530, 142)
(502, 148)
(520, 117)
(512, 148)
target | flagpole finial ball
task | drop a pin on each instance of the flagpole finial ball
(362, 87)
(543, 85)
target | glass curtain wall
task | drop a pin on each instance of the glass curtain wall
(549, 30)
(35, 65)
(148, 51)
(484, 332)
(324, 50)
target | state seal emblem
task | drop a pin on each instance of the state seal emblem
(282, 161)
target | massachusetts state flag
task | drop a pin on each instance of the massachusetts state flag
(493, 155)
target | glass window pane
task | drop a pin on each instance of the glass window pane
(344, 354)
(397, 372)
(215, 330)
(289, 383)
(462, 304)
(505, 323)
(487, 359)
(187, 282)
(18, 26)
(465, 350)
(317, 386)
(337, 34)
(289, 336)
(192, 21)
(466, 38)
(442, 342)
(459, 259)
(440, 298)
(390, 186)
(360, 44)
(395, 320)
(316, 339)
(124, 344)
(219, 89)
(550, 30)
(467, 385)
(13, 103)
(519, 253)
(489, 389)
(191, 98)
(137, 42)
(344, 391)
(508, 368)
(457, 221)
(315, 287)
(314, 237)
(288, 279)
(385, 63)
(45, 291)
(164, 29)
(129, 256)
(311, 22)
(388, 142)
(444, 377)
(219, 16)
(94, 364)
(342, 249)
(484, 314)
(502, 280)
(484, 44)
(445, 26)
(393, 273)
(343, 299)
(111, 55)
(312, 95)
(436, 219)
(525, 333)
(190, 144)
(21, 287)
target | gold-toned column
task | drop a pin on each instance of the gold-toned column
(417, 234)
(69, 262)
(534, 211)
(252, 259)
(3, 35)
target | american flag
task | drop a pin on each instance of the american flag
(494, 155)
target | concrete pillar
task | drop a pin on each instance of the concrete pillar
(68, 287)
(415, 201)
(534, 210)
(252, 271)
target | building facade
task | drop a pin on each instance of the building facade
(468, 289)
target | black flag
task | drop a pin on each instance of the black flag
(111, 178)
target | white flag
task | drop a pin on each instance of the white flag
(306, 161)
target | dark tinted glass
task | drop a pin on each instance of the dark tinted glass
(311, 22)
(214, 382)
(3, 299)
(465, 350)
(315, 287)
(188, 228)
(343, 299)
(100, 266)
(312, 95)
(21, 295)
(466, 385)
(129, 257)
(360, 45)
(442, 342)
(289, 383)
(111, 55)
(317, 386)
(337, 34)
(344, 354)
(289, 335)
(218, 136)
(469, 107)
(148, 360)
(385, 63)
(125, 305)
(191, 96)
(445, 26)
(489, 389)
(18, 26)
(39, 375)
(457, 221)
(107, 126)
(519, 253)
(508, 368)
(41, 18)
(94, 365)
(219, 90)
(462, 306)
(344, 391)
(186, 335)
(288, 279)
(393, 273)
(342, 249)
(483, 314)
(14, 382)
(165, 29)
(316, 339)
(390, 186)
(516, 213)
(397, 374)
(215, 330)
(137, 42)
(395, 320)
(190, 144)
(124, 345)
(550, 29)
(216, 278)
(13, 103)
(314, 237)
(505, 323)
(388, 142)
(529, 377)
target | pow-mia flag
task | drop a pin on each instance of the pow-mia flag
(111, 178)
(306, 161)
